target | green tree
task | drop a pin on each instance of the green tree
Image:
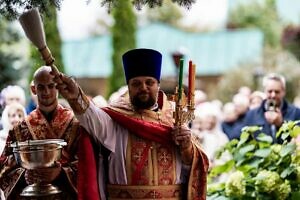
(123, 39)
(9, 37)
(290, 40)
(11, 8)
(246, 74)
(53, 41)
(258, 14)
(168, 13)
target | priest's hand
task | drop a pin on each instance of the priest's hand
(42, 175)
(66, 86)
(182, 137)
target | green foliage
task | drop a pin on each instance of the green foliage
(284, 63)
(168, 13)
(53, 41)
(9, 9)
(9, 75)
(262, 15)
(259, 169)
(151, 3)
(274, 60)
(123, 39)
(291, 39)
(232, 80)
(9, 37)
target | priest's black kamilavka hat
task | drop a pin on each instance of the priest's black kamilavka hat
(142, 62)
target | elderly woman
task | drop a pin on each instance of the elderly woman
(206, 128)
(12, 93)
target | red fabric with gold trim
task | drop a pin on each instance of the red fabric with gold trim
(41, 129)
(87, 183)
(148, 130)
(162, 134)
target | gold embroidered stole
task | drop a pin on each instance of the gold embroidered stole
(151, 166)
(149, 163)
(151, 172)
(40, 128)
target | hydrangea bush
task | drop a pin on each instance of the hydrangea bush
(258, 169)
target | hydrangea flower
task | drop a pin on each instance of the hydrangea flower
(267, 181)
(298, 173)
(235, 186)
(263, 170)
(283, 190)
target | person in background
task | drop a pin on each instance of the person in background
(10, 94)
(256, 98)
(11, 116)
(48, 121)
(275, 109)
(228, 120)
(241, 104)
(245, 90)
(211, 136)
(32, 101)
(296, 101)
(200, 97)
(147, 156)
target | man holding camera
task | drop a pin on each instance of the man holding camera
(274, 110)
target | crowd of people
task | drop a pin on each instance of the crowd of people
(216, 123)
(132, 148)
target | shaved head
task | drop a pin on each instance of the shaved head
(45, 89)
(42, 71)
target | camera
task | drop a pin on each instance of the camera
(271, 105)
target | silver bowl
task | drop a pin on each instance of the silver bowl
(37, 154)
(33, 154)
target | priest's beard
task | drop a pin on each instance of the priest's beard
(143, 104)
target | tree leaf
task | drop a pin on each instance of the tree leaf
(215, 188)
(264, 138)
(247, 168)
(221, 198)
(243, 138)
(255, 163)
(226, 167)
(217, 197)
(287, 149)
(246, 149)
(263, 152)
(295, 195)
(295, 132)
(240, 162)
(285, 135)
(287, 171)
